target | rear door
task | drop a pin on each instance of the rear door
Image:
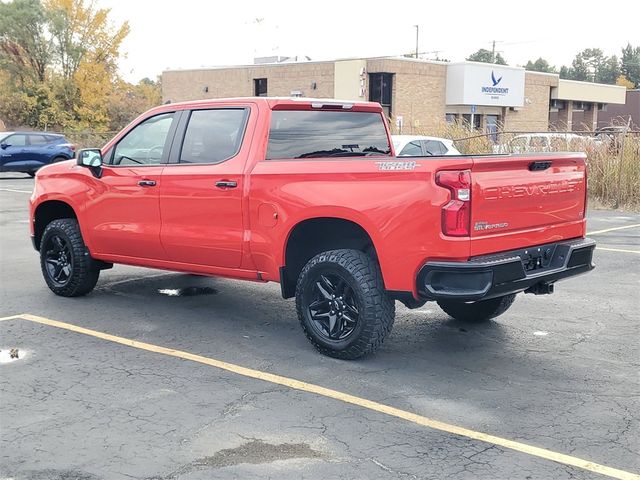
(202, 188)
(40, 149)
(526, 200)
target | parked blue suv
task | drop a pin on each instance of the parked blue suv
(28, 151)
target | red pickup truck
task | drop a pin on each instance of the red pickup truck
(308, 193)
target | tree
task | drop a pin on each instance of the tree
(540, 65)
(630, 64)
(486, 56)
(565, 72)
(85, 51)
(591, 65)
(609, 71)
(24, 49)
(78, 30)
(625, 82)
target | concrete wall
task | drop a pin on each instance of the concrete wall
(418, 91)
(182, 85)
(534, 115)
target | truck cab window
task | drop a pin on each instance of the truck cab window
(311, 134)
(213, 136)
(146, 143)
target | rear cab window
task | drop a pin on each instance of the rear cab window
(299, 134)
(213, 136)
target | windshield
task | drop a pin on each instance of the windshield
(308, 134)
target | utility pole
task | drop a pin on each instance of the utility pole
(493, 52)
(417, 33)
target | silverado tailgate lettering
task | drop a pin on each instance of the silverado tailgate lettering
(532, 189)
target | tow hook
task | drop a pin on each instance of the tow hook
(540, 289)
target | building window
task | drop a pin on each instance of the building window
(260, 87)
(380, 90)
(472, 120)
(451, 117)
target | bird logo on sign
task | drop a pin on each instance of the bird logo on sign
(493, 78)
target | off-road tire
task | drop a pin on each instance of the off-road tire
(83, 274)
(376, 310)
(477, 312)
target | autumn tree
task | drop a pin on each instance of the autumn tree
(487, 56)
(24, 49)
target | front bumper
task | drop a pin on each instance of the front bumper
(531, 270)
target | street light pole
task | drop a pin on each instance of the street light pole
(417, 33)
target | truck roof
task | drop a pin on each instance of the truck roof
(285, 103)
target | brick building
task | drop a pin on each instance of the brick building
(417, 95)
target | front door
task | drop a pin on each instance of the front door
(13, 154)
(201, 192)
(123, 213)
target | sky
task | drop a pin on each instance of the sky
(199, 33)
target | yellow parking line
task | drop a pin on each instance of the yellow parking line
(12, 317)
(597, 232)
(617, 250)
(346, 398)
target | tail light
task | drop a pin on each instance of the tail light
(456, 215)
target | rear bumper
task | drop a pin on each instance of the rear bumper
(531, 270)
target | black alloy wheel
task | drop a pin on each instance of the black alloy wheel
(58, 260)
(334, 307)
(66, 264)
(342, 305)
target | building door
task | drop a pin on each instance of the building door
(380, 90)
(491, 127)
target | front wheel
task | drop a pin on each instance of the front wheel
(342, 305)
(477, 312)
(66, 265)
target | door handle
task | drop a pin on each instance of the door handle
(147, 183)
(226, 184)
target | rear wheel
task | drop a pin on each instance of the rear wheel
(477, 312)
(66, 265)
(342, 305)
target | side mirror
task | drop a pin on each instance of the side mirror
(91, 158)
(4, 145)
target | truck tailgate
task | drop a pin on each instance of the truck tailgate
(526, 200)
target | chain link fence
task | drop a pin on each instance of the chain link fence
(613, 157)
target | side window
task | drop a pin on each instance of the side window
(412, 149)
(146, 143)
(433, 147)
(37, 140)
(16, 140)
(213, 136)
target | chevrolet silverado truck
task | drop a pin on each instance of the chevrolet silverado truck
(308, 193)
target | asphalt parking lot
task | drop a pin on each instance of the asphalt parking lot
(559, 372)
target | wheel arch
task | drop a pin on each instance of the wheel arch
(313, 235)
(46, 212)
